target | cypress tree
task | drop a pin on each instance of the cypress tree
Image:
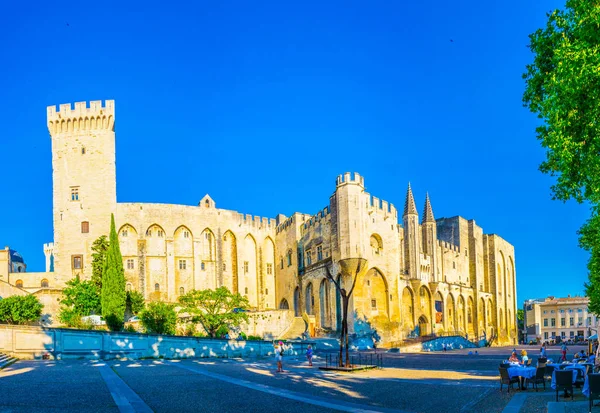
(113, 296)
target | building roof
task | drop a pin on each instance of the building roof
(16, 257)
(409, 206)
(565, 300)
(428, 211)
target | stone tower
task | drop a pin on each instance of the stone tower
(412, 244)
(429, 230)
(349, 213)
(84, 182)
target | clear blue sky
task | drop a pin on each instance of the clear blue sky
(262, 105)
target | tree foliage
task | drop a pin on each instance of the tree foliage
(80, 298)
(135, 302)
(563, 89)
(113, 283)
(20, 309)
(215, 310)
(99, 248)
(159, 318)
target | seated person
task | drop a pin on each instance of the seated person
(524, 357)
(513, 358)
(541, 362)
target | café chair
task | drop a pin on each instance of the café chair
(538, 378)
(594, 382)
(505, 379)
(564, 381)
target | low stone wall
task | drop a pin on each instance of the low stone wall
(268, 324)
(452, 343)
(62, 343)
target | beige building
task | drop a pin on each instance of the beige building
(568, 318)
(423, 275)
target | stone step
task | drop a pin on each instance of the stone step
(7, 362)
(3, 357)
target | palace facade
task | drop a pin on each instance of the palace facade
(423, 274)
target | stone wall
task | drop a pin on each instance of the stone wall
(58, 343)
(6, 290)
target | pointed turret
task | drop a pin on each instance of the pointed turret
(409, 205)
(428, 211)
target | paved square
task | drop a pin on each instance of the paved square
(427, 382)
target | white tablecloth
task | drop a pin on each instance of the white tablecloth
(526, 372)
(553, 385)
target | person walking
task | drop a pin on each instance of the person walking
(444, 347)
(563, 350)
(543, 351)
(279, 357)
(309, 355)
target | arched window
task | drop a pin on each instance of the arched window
(289, 257)
(19, 283)
(128, 287)
(376, 244)
(181, 291)
(44, 283)
(157, 287)
(284, 305)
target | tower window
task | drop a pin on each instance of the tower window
(181, 291)
(186, 234)
(269, 269)
(202, 266)
(182, 264)
(149, 233)
(224, 266)
(157, 287)
(374, 304)
(77, 262)
(83, 150)
(85, 227)
(246, 290)
(319, 253)
(128, 287)
(75, 193)
(160, 233)
(308, 257)
(266, 291)
(246, 265)
(130, 265)
(44, 283)
(124, 233)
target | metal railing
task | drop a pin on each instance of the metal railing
(358, 360)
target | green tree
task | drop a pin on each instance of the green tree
(563, 89)
(159, 318)
(20, 309)
(113, 283)
(80, 298)
(215, 309)
(135, 302)
(99, 248)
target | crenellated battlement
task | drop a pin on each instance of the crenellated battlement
(347, 178)
(381, 206)
(315, 219)
(81, 117)
(257, 222)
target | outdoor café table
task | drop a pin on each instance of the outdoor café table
(521, 372)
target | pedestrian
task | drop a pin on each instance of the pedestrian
(279, 357)
(563, 350)
(444, 347)
(543, 351)
(309, 354)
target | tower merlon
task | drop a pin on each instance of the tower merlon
(81, 117)
(347, 178)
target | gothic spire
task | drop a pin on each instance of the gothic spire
(409, 205)
(428, 211)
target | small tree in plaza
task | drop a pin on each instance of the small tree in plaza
(99, 248)
(19, 309)
(113, 283)
(159, 318)
(80, 298)
(215, 310)
(350, 267)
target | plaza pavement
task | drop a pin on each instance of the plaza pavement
(409, 383)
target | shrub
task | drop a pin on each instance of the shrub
(159, 318)
(81, 298)
(20, 309)
(130, 329)
(254, 338)
(135, 302)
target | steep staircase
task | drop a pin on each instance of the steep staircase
(6, 360)
(295, 329)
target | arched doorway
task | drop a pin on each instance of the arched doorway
(425, 301)
(297, 302)
(423, 326)
(408, 314)
(325, 304)
(451, 312)
(309, 300)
